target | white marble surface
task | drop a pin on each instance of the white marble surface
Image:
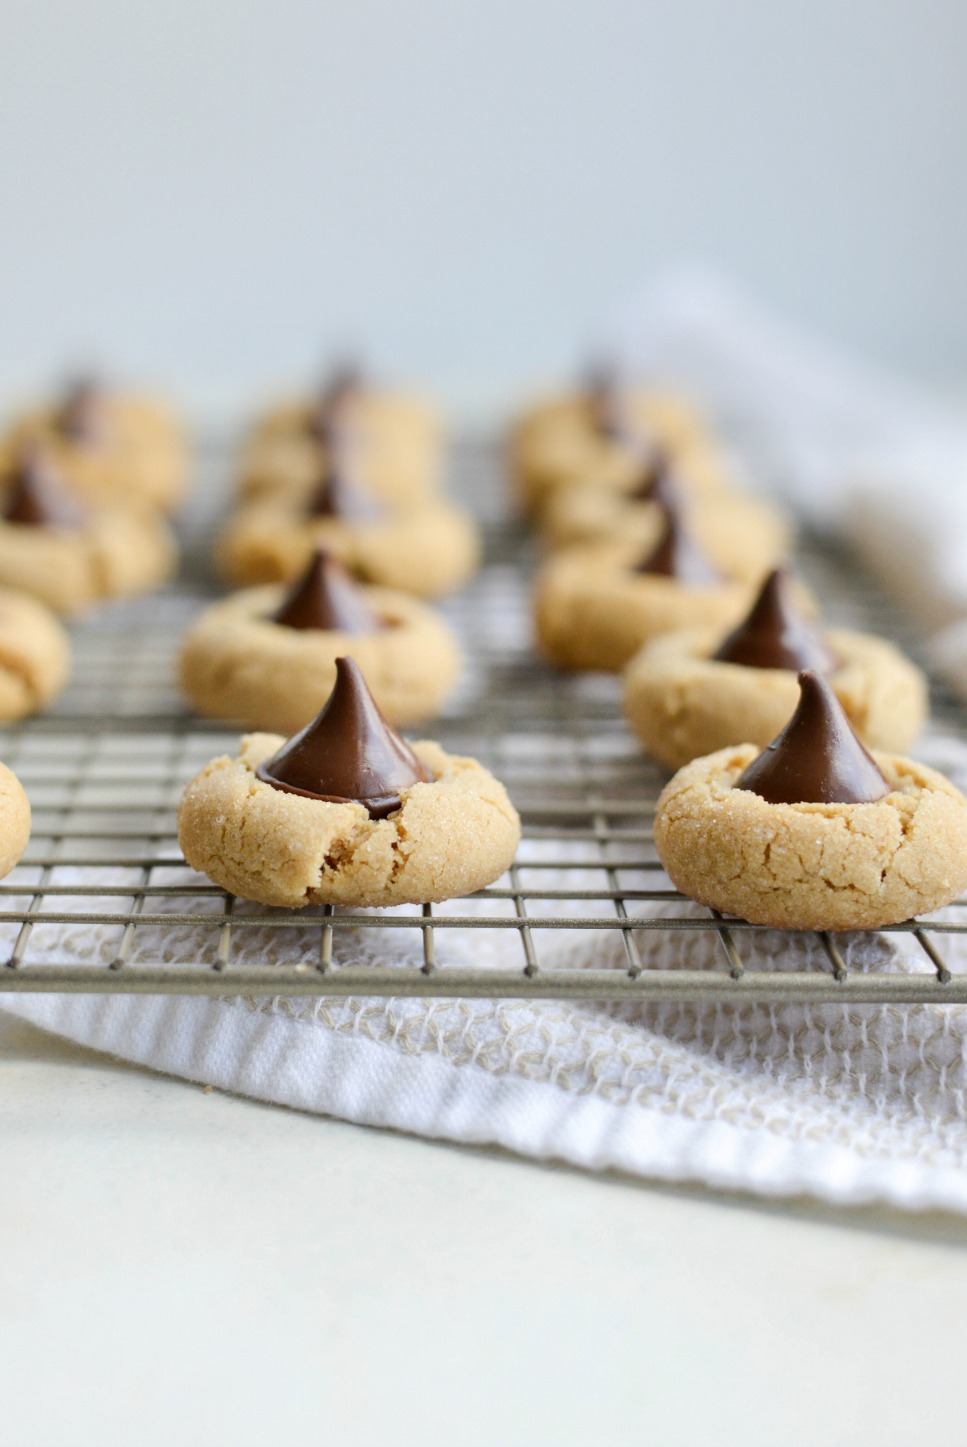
(182, 1267)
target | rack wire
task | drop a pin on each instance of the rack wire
(105, 767)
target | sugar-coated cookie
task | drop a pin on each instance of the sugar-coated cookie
(34, 655)
(111, 447)
(595, 607)
(813, 833)
(426, 549)
(347, 813)
(267, 657)
(14, 820)
(683, 698)
(70, 555)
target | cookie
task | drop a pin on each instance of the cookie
(347, 813)
(395, 440)
(267, 658)
(69, 556)
(814, 833)
(110, 447)
(286, 467)
(425, 549)
(743, 535)
(34, 655)
(346, 396)
(594, 607)
(600, 439)
(683, 701)
(723, 518)
(14, 821)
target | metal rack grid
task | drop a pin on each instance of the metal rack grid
(104, 770)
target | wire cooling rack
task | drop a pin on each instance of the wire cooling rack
(105, 768)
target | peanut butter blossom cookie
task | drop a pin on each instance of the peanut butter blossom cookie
(595, 610)
(267, 656)
(691, 692)
(111, 447)
(599, 437)
(14, 821)
(68, 554)
(741, 534)
(814, 832)
(34, 655)
(348, 813)
(426, 549)
(395, 441)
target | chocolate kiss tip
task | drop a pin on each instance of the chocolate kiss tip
(656, 482)
(774, 634)
(677, 556)
(348, 753)
(82, 413)
(337, 392)
(817, 758)
(327, 598)
(37, 497)
(608, 404)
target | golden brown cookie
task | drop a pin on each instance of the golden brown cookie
(69, 555)
(565, 440)
(14, 821)
(395, 440)
(682, 703)
(813, 833)
(238, 663)
(595, 606)
(347, 813)
(425, 550)
(285, 467)
(34, 655)
(111, 447)
(743, 535)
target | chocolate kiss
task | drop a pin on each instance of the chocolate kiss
(336, 497)
(817, 759)
(349, 753)
(333, 401)
(37, 497)
(656, 482)
(608, 408)
(82, 417)
(326, 597)
(677, 556)
(775, 634)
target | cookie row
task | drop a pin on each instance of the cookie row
(85, 481)
(81, 482)
(341, 522)
(331, 806)
(344, 812)
(723, 657)
(357, 471)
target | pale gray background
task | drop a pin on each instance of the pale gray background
(210, 191)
